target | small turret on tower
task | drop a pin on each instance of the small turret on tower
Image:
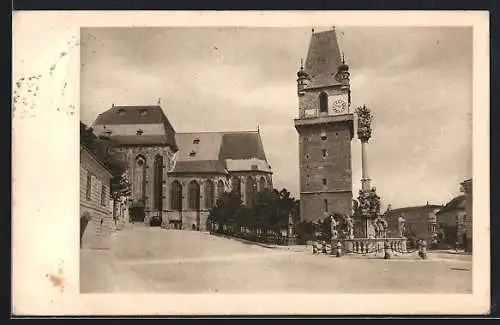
(302, 79)
(343, 75)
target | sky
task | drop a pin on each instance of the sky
(416, 80)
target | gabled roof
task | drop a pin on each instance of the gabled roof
(427, 207)
(456, 203)
(138, 115)
(242, 145)
(323, 59)
(132, 115)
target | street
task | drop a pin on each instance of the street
(142, 259)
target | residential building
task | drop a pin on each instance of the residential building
(96, 218)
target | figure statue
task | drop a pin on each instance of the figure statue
(401, 225)
(333, 227)
(349, 226)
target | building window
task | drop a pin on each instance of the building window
(324, 181)
(103, 195)
(143, 112)
(307, 156)
(192, 153)
(121, 111)
(325, 205)
(323, 102)
(176, 196)
(158, 186)
(139, 132)
(220, 188)
(196, 141)
(88, 188)
(236, 184)
(194, 195)
(209, 194)
(262, 183)
(324, 153)
(251, 189)
(323, 137)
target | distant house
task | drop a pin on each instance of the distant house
(96, 218)
(420, 221)
(467, 189)
(454, 224)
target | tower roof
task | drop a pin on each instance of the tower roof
(323, 59)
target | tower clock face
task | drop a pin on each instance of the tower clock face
(339, 105)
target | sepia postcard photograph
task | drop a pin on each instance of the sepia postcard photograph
(251, 163)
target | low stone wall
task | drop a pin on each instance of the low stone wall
(374, 245)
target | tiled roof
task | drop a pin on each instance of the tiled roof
(130, 115)
(323, 59)
(140, 140)
(231, 150)
(456, 203)
(429, 207)
(205, 166)
(242, 145)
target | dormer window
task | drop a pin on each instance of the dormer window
(140, 132)
(121, 111)
(192, 153)
(143, 112)
(196, 141)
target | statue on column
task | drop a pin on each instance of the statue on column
(401, 225)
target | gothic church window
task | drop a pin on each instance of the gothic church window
(262, 183)
(140, 178)
(158, 173)
(209, 194)
(220, 188)
(323, 102)
(325, 205)
(176, 196)
(194, 195)
(236, 185)
(251, 189)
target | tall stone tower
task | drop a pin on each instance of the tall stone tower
(325, 128)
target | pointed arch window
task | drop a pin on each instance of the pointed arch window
(194, 195)
(251, 189)
(158, 170)
(220, 188)
(262, 183)
(209, 194)
(176, 196)
(323, 102)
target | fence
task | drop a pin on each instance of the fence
(259, 235)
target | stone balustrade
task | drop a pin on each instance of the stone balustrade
(374, 245)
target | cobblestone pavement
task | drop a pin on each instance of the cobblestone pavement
(142, 259)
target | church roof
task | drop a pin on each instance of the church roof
(220, 152)
(121, 119)
(323, 59)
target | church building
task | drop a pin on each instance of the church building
(177, 177)
(325, 128)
